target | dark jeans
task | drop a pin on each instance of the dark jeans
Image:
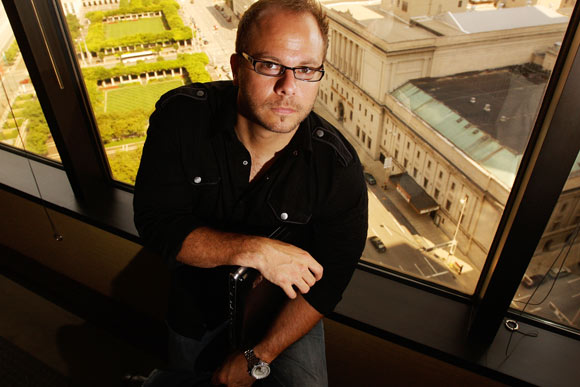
(191, 362)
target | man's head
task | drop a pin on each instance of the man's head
(250, 17)
(273, 33)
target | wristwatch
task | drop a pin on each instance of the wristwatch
(257, 368)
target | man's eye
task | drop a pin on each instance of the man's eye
(271, 66)
(305, 70)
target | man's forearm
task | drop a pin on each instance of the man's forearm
(282, 264)
(295, 320)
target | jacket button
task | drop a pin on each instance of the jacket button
(284, 216)
(245, 162)
(197, 180)
(200, 93)
(320, 133)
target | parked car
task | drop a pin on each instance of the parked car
(370, 178)
(378, 244)
(532, 281)
(563, 272)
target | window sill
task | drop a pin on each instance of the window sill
(435, 324)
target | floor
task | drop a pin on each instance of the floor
(42, 344)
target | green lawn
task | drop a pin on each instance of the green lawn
(127, 28)
(126, 99)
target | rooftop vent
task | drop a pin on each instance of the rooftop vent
(472, 99)
(487, 107)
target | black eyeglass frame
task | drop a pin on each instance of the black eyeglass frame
(283, 68)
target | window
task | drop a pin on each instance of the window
(22, 122)
(408, 145)
(429, 164)
(396, 153)
(415, 171)
(425, 182)
(405, 6)
(452, 186)
(358, 131)
(418, 154)
(371, 118)
(350, 115)
(448, 205)
(369, 142)
(78, 155)
(405, 162)
(436, 194)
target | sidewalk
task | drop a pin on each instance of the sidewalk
(428, 234)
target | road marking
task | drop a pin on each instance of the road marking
(374, 231)
(420, 271)
(386, 228)
(429, 263)
(521, 298)
(574, 280)
(401, 267)
(576, 295)
(438, 274)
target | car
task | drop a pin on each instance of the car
(378, 244)
(559, 273)
(370, 178)
(532, 281)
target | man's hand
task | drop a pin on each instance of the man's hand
(233, 372)
(281, 263)
(285, 265)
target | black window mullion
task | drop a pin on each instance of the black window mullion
(545, 168)
(44, 43)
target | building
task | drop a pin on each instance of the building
(375, 56)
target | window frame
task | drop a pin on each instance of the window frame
(96, 198)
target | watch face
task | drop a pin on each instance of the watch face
(260, 371)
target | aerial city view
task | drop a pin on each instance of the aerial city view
(438, 98)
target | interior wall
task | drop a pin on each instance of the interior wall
(121, 269)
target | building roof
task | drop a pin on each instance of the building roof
(384, 26)
(489, 115)
(502, 19)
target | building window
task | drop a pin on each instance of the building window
(436, 194)
(331, 96)
(564, 206)
(398, 136)
(448, 205)
(425, 183)
(452, 186)
(418, 154)
(404, 7)
(396, 154)
(371, 118)
(408, 145)
(369, 142)
(364, 137)
(459, 3)
(405, 162)
(415, 171)
(358, 131)
(429, 164)
(350, 115)
(440, 174)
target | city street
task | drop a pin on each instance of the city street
(212, 27)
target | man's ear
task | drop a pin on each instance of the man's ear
(235, 64)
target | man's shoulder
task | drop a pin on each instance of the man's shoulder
(197, 93)
(325, 138)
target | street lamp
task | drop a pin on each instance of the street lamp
(453, 244)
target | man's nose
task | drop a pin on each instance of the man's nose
(286, 84)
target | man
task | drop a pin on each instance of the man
(227, 163)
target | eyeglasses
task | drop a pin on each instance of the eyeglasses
(272, 69)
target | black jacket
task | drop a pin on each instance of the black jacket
(194, 172)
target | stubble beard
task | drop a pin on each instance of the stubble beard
(280, 123)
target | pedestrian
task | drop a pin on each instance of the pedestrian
(227, 163)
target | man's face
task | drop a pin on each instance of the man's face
(279, 104)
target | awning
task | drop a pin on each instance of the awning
(414, 194)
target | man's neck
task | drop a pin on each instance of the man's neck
(263, 144)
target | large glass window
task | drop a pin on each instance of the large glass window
(133, 52)
(22, 122)
(461, 88)
(550, 289)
